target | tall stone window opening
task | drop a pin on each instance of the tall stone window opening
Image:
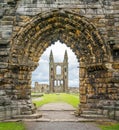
(58, 70)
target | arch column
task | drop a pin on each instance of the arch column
(21, 88)
(83, 87)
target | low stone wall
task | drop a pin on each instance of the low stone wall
(40, 88)
(10, 108)
(109, 108)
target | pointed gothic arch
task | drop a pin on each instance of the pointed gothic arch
(78, 33)
(44, 29)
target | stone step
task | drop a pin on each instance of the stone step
(92, 116)
(90, 112)
(80, 119)
(72, 110)
(51, 120)
(33, 116)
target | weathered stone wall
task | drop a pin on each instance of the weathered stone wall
(99, 74)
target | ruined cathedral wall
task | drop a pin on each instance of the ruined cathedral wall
(9, 103)
(15, 14)
(6, 29)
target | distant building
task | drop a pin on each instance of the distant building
(73, 89)
(40, 88)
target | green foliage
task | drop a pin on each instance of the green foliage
(12, 126)
(110, 127)
(62, 97)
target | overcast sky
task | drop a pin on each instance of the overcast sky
(41, 74)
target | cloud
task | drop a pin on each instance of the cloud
(41, 74)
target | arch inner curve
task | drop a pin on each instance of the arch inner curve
(44, 29)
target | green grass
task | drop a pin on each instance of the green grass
(111, 126)
(62, 97)
(12, 126)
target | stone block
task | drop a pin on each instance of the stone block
(2, 108)
(2, 93)
(91, 11)
(4, 58)
(6, 34)
(8, 75)
(115, 66)
(100, 111)
(2, 101)
(100, 11)
(1, 13)
(112, 90)
(8, 18)
(105, 112)
(7, 23)
(82, 12)
(4, 53)
(14, 112)
(117, 115)
(83, 98)
(2, 115)
(82, 90)
(111, 115)
(4, 42)
(8, 112)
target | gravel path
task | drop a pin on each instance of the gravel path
(57, 106)
(58, 111)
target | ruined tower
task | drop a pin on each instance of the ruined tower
(58, 74)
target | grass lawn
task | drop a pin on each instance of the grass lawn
(109, 126)
(12, 126)
(62, 97)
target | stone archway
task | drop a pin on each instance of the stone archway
(78, 33)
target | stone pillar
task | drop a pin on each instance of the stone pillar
(7, 12)
(21, 88)
(82, 88)
(51, 85)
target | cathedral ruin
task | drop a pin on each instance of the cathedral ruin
(58, 74)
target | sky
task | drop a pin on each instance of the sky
(41, 74)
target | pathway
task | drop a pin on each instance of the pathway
(58, 112)
(60, 126)
(59, 116)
